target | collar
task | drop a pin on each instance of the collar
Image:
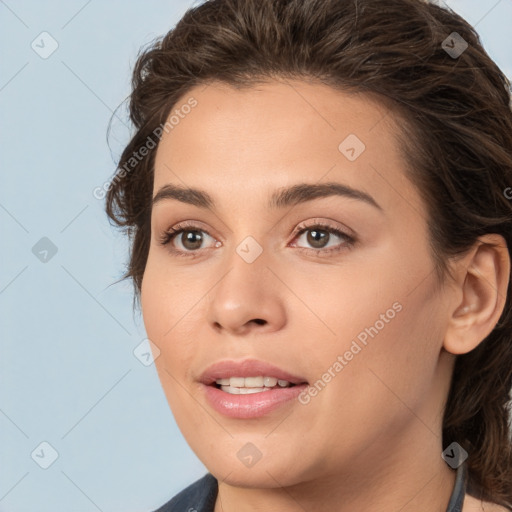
(459, 490)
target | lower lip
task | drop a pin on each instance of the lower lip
(253, 405)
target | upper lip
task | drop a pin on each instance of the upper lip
(246, 368)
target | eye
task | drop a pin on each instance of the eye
(320, 235)
(187, 237)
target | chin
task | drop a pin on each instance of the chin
(258, 477)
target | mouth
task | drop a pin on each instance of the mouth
(249, 385)
(248, 374)
(249, 388)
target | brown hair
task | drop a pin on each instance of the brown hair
(456, 137)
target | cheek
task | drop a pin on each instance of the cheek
(379, 387)
(169, 311)
(383, 316)
(389, 354)
(163, 304)
(174, 301)
(169, 295)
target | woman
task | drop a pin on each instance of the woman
(319, 204)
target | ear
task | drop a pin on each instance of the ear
(481, 284)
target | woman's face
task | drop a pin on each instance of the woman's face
(336, 289)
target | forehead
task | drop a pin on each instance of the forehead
(252, 140)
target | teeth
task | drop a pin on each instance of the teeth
(237, 382)
(269, 382)
(253, 384)
(242, 391)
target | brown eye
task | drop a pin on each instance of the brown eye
(191, 239)
(323, 239)
(317, 238)
(186, 240)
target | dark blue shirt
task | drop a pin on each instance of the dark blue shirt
(201, 495)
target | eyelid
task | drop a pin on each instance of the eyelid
(324, 223)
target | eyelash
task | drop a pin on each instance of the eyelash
(167, 237)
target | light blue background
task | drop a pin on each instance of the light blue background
(68, 373)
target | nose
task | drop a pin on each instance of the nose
(248, 298)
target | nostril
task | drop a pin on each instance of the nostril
(259, 321)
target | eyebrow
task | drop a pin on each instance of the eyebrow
(282, 198)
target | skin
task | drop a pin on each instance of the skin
(371, 439)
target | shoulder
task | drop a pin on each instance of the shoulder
(199, 496)
(472, 504)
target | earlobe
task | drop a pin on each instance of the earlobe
(483, 277)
